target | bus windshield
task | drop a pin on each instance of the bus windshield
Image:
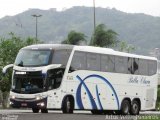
(33, 58)
(25, 83)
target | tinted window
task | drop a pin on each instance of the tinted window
(143, 67)
(135, 66)
(54, 78)
(130, 67)
(107, 63)
(61, 56)
(110, 63)
(121, 64)
(93, 61)
(152, 67)
(33, 58)
(79, 61)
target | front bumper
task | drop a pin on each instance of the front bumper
(25, 103)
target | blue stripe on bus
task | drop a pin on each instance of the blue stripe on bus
(94, 106)
(99, 101)
(78, 97)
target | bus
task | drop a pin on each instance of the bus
(67, 77)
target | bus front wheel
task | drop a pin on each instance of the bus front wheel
(35, 110)
(68, 105)
(44, 110)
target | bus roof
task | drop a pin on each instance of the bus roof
(49, 46)
(111, 52)
(88, 49)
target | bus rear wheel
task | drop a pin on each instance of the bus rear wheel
(135, 108)
(35, 110)
(68, 105)
(125, 107)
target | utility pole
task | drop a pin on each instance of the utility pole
(94, 14)
(94, 22)
(36, 16)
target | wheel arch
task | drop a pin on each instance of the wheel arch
(138, 100)
(126, 98)
(71, 97)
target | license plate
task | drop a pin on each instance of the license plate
(24, 104)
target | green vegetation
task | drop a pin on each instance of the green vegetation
(75, 38)
(103, 37)
(158, 99)
(124, 47)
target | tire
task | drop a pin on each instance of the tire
(68, 105)
(44, 110)
(125, 107)
(35, 110)
(135, 108)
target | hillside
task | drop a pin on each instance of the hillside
(141, 30)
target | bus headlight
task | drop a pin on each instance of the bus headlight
(12, 97)
(39, 97)
(41, 104)
(11, 103)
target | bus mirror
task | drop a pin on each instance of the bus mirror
(4, 71)
(49, 67)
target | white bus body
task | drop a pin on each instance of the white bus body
(93, 78)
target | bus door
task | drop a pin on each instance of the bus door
(53, 83)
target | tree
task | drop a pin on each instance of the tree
(103, 37)
(74, 38)
(158, 99)
(124, 47)
(8, 51)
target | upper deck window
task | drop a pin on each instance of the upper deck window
(33, 58)
(61, 56)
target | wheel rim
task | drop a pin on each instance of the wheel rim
(68, 105)
(135, 108)
(126, 109)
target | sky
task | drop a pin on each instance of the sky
(13, 7)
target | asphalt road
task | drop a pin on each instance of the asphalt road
(19, 114)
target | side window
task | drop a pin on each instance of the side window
(79, 61)
(54, 78)
(135, 66)
(152, 67)
(130, 67)
(121, 64)
(93, 61)
(61, 56)
(107, 63)
(143, 67)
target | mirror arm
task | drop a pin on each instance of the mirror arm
(4, 71)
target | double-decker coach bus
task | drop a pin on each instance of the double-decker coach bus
(66, 77)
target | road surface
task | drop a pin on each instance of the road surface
(21, 114)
